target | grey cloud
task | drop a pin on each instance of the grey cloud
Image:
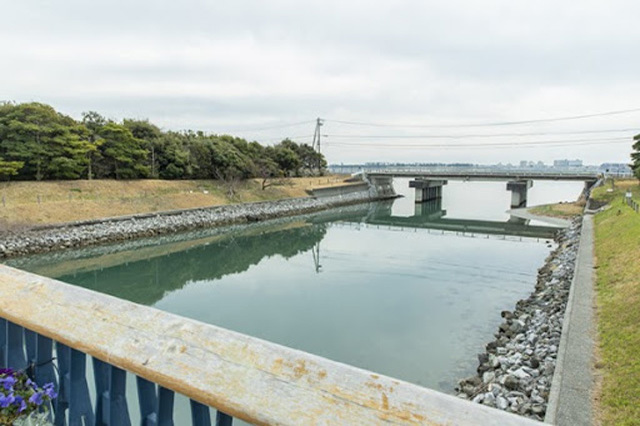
(215, 64)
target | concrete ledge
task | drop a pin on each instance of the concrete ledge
(570, 397)
(525, 213)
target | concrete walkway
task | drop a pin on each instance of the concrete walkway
(570, 398)
(524, 213)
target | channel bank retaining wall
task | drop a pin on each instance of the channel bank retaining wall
(85, 233)
(573, 379)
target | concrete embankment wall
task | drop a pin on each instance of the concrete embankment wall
(336, 191)
(85, 233)
(573, 380)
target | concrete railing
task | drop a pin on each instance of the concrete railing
(491, 174)
(240, 376)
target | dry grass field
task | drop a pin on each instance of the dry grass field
(562, 210)
(38, 203)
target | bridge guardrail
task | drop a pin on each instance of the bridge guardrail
(240, 376)
(486, 172)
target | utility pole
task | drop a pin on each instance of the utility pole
(316, 135)
(316, 140)
(315, 252)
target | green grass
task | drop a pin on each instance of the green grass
(616, 190)
(617, 250)
(562, 210)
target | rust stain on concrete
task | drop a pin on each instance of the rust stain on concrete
(385, 402)
(300, 369)
(277, 366)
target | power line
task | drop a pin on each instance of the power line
(487, 124)
(275, 126)
(474, 147)
(574, 142)
(278, 139)
(479, 135)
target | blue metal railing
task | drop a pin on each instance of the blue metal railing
(52, 362)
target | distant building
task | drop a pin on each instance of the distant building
(567, 163)
(617, 169)
(531, 164)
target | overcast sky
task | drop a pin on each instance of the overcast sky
(238, 66)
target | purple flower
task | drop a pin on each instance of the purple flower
(36, 398)
(5, 401)
(5, 371)
(19, 402)
(8, 382)
(49, 391)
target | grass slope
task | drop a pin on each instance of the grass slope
(617, 249)
(36, 203)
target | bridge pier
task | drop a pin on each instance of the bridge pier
(519, 189)
(427, 189)
(430, 210)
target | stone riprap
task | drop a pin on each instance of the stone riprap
(80, 234)
(98, 250)
(516, 370)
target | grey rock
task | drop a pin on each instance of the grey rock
(538, 409)
(519, 364)
(511, 382)
(488, 377)
(502, 403)
(489, 399)
(478, 398)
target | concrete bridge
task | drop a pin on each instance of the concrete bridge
(428, 183)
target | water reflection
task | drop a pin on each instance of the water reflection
(149, 279)
(344, 284)
(431, 215)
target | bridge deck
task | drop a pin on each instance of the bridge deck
(486, 175)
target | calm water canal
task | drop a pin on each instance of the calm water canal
(360, 285)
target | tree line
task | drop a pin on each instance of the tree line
(39, 143)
